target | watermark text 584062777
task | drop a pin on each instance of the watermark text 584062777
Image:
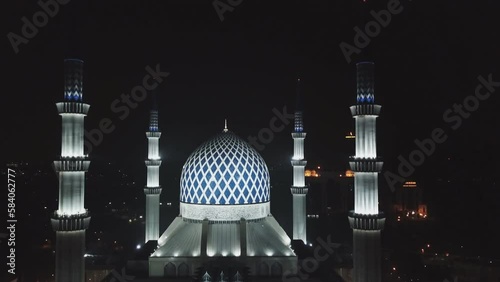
(11, 221)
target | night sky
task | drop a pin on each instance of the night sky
(427, 59)
(244, 68)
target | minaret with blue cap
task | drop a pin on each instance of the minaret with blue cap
(71, 219)
(153, 188)
(366, 220)
(299, 189)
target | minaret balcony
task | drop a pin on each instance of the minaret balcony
(366, 165)
(72, 108)
(299, 163)
(299, 190)
(153, 162)
(367, 221)
(365, 110)
(70, 222)
(153, 134)
(152, 190)
(299, 135)
(72, 164)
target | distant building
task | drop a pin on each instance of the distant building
(331, 191)
(408, 203)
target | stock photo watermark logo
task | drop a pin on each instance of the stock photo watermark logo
(454, 118)
(123, 106)
(29, 30)
(266, 135)
(322, 252)
(372, 29)
(221, 7)
(121, 277)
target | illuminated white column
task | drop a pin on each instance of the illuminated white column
(153, 188)
(299, 188)
(366, 194)
(366, 146)
(366, 220)
(367, 255)
(153, 147)
(72, 135)
(71, 192)
(71, 218)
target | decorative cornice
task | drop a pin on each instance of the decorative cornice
(153, 134)
(299, 135)
(152, 190)
(70, 222)
(153, 162)
(299, 162)
(365, 110)
(299, 190)
(76, 108)
(366, 165)
(366, 221)
(72, 164)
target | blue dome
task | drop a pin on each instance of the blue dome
(225, 171)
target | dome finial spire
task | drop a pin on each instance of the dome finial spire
(225, 125)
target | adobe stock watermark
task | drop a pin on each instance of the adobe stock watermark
(321, 253)
(266, 135)
(454, 118)
(29, 30)
(121, 277)
(372, 29)
(122, 106)
(221, 7)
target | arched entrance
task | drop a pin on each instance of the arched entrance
(183, 270)
(263, 269)
(170, 270)
(276, 269)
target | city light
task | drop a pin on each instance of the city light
(410, 184)
(311, 173)
(350, 136)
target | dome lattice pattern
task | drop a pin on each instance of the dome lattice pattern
(225, 171)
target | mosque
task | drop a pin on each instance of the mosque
(225, 230)
(224, 222)
(224, 215)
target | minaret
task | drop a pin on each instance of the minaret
(225, 126)
(153, 188)
(71, 218)
(299, 188)
(366, 220)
